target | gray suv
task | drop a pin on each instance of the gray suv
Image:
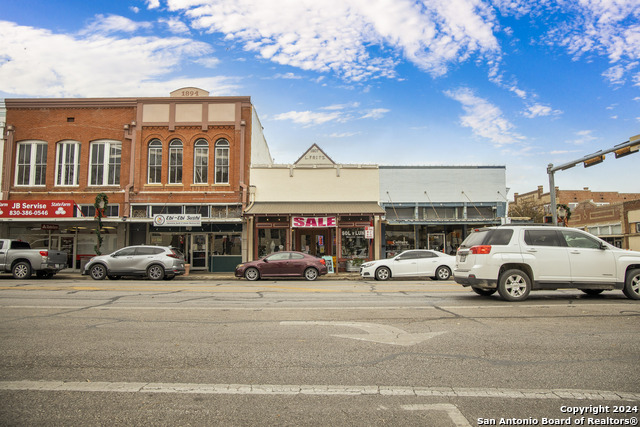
(154, 262)
(514, 260)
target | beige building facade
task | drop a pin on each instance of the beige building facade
(315, 206)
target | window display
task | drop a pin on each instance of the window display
(271, 240)
(354, 244)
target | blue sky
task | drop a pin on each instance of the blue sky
(443, 82)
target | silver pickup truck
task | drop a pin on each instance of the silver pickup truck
(18, 258)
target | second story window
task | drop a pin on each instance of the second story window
(105, 158)
(201, 162)
(31, 163)
(222, 162)
(175, 162)
(67, 162)
(154, 172)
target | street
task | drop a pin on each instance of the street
(330, 352)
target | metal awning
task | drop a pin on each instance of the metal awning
(315, 208)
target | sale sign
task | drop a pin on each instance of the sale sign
(36, 208)
(313, 221)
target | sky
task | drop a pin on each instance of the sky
(512, 83)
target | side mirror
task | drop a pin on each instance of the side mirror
(265, 260)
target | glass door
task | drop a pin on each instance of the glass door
(198, 248)
(436, 242)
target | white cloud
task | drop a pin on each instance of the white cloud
(340, 113)
(38, 62)
(583, 137)
(601, 27)
(540, 110)
(175, 25)
(484, 119)
(288, 76)
(309, 118)
(340, 36)
(153, 4)
(376, 113)
(343, 135)
(113, 24)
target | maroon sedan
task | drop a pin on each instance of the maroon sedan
(283, 264)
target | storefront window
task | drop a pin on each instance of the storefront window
(399, 238)
(227, 244)
(271, 240)
(354, 244)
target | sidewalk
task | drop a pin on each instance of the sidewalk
(204, 275)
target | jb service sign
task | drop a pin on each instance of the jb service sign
(36, 208)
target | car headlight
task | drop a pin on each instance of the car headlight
(239, 266)
(367, 264)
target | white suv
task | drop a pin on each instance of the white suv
(515, 259)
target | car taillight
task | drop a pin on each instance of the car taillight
(44, 253)
(173, 256)
(322, 261)
(480, 249)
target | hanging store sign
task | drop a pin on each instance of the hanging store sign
(37, 208)
(313, 221)
(163, 220)
(368, 232)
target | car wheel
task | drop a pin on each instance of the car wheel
(311, 274)
(252, 274)
(632, 284)
(514, 285)
(443, 273)
(592, 292)
(22, 270)
(155, 272)
(98, 272)
(383, 273)
(484, 292)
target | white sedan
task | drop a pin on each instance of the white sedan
(418, 262)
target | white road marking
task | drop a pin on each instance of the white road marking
(382, 334)
(452, 410)
(316, 390)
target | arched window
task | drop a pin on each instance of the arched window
(222, 161)
(67, 162)
(200, 162)
(31, 163)
(154, 173)
(175, 162)
(104, 162)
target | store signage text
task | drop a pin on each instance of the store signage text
(36, 209)
(313, 221)
(162, 220)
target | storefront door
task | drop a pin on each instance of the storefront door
(435, 242)
(314, 241)
(199, 251)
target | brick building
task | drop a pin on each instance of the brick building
(175, 171)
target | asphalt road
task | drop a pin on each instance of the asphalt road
(289, 352)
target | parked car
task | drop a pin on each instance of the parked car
(514, 260)
(417, 262)
(154, 262)
(18, 258)
(283, 264)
